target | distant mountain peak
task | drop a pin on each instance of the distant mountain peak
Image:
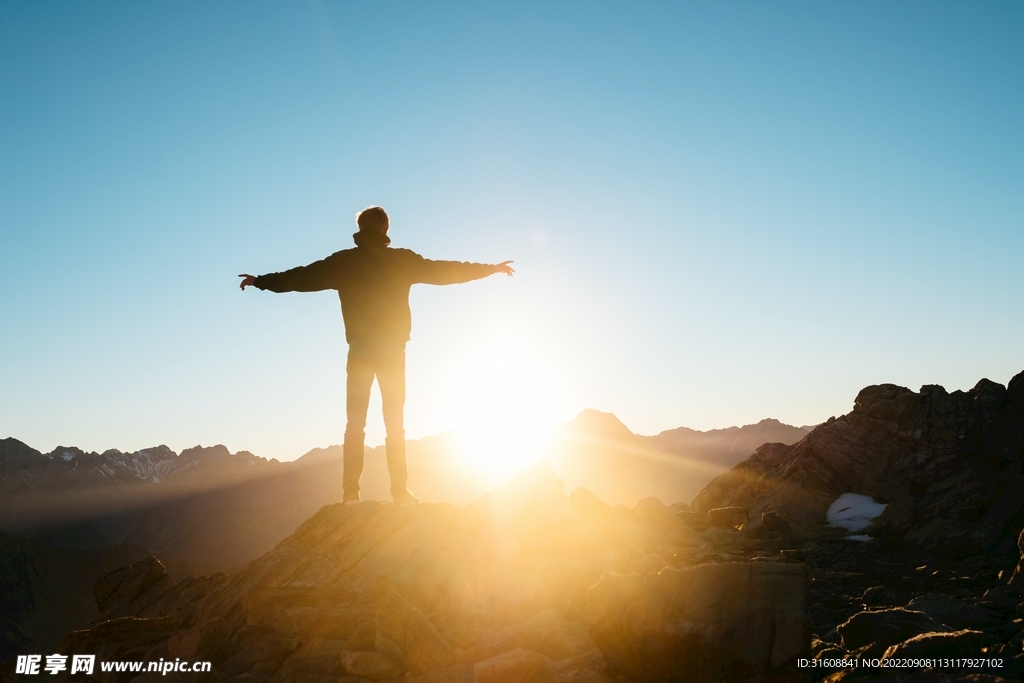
(596, 423)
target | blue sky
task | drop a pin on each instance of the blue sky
(719, 212)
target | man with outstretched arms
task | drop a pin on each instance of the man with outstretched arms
(373, 282)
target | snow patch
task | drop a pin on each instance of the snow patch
(853, 511)
(68, 456)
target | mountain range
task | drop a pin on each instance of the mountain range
(537, 580)
(69, 514)
(207, 509)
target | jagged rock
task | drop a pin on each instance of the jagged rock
(732, 517)
(116, 592)
(514, 666)
(111, 639)
(963, 644)
(144, 589)
(406, 634)
(946, 464)
(707, 622)
(884, 628)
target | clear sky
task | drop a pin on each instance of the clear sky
(718, 212)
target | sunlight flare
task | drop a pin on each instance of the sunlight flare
(503, 405)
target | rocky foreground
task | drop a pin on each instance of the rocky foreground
(526, 583)
(531, 584)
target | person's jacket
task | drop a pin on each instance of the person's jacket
(373, 283)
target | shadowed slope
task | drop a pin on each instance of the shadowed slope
(948, 464)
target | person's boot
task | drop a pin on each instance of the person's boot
(404, 497)
(352, 466)
(397, 470)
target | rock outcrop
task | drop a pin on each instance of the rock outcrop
(714, 621)
(943, 568)
(949, 466)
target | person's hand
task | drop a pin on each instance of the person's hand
(247, 280)
(504, 267)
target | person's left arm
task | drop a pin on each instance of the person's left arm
(432, 272)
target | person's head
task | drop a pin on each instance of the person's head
(373, 219)
(373, 228)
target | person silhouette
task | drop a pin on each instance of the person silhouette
(373, 282)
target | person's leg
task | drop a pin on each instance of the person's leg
(357, 400)
(391, 378)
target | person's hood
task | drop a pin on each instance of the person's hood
(371, 239)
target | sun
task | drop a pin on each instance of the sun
(503, 404)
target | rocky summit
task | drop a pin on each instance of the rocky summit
(524, 584)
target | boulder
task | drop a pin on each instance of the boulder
(880, 629)
(732, 517)
(709, 622)
(407, 635)
(695, 520)
(958, 644)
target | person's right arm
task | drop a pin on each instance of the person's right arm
(312, 278)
